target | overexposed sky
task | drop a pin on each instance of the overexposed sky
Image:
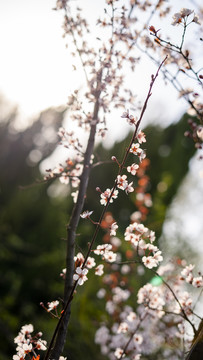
(36, 68)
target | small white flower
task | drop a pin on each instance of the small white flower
(196, 19)
(138, 339)
(129, 188)
(187, 270)
(27, 348)
(141, 153)
(86, 214)
(123, 328)
(122, 182)
(41, 345)
(79, 258)
(99, 270)
(101, 293)
(27, 329)
(110, 256)
(141, 137)
(125, 115)
(75, 196)
(101, 249)
(136, 357)
(118, 353)
(113, 229)
(106, 195)
(197, 281)
(80, 275)
(185, 12)
(134, 148)
(52, 305)
(64, 178)
(133, 168)
(63, 273)
(149, 261)
(90, 262)
(131, 317)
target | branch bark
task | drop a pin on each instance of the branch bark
(55, 349)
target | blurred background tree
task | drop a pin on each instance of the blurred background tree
(32, 223)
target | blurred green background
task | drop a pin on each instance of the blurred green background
(33, 225)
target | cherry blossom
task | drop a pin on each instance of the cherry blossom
(122, 182)
(110, 256)
(196, 19)
(106, 195)
(131, 316)
(101, 249)
(133, 168)
(141, 154)
(197, 281)
(99, 270)
(123, 328)
(141, 137)
(80, 275)
(118, 353)
(64, 178)
(138, 339)
(90, 262)
(52, 305)
(113, 229)
(27, 343)
(134, 148)
(75, 196)
(41, 345)
(86, 214)
(129, 188)
(149, 261)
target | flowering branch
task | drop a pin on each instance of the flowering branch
(61, 328)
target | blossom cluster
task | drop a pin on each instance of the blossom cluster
(129, 335)
(140, 332)
(80, 274)
(137, 234)
(28, 343)
(183, 15)
(187, 275)
(121, 181)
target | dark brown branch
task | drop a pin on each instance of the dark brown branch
(61, 328)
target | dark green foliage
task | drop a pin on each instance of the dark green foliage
(32, 226)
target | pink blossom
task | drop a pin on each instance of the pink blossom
(110, 256)
(90, 262)
(129, 188)
(99, 270)
(123, 328)
(113, 229)
(80, 275)
(141, 137)
(106, 195)
(134, 148)
(101, 249)
(86, 214)
(197, 281)
(52, 305)
(122, 182)
(133, 168)
(138, 339)
(118, 353)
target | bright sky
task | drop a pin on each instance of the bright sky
(35, 66)
(36, 69)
